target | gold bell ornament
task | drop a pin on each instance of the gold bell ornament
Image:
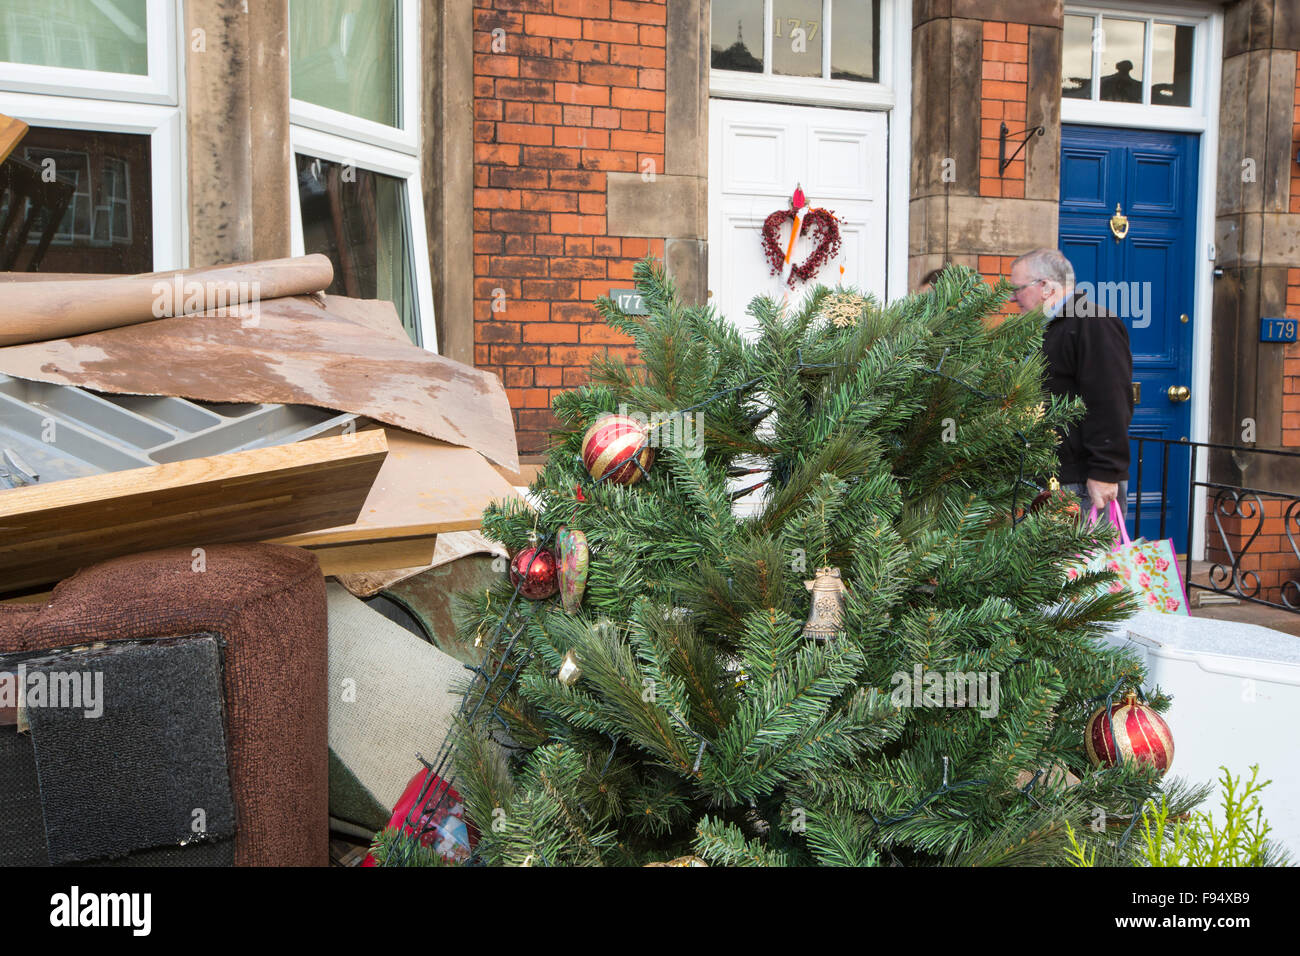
(826, 615)
(570, 670)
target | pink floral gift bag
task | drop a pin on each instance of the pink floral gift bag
(1147, 568)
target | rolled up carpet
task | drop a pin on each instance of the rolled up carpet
(62, 308)
(392, 700)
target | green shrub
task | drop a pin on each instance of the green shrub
(1197, 840)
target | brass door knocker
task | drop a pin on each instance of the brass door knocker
(1118, 224)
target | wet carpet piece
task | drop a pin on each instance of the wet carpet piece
(140, 774)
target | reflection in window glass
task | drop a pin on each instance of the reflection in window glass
(738, 35)
(344, 55)
(1076, 58)
(855, 54)
(358, 219)
(107, 225)
(1122, 56)
(76, 34)
(797, 37)
(1171, 65)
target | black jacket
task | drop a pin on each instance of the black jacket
(1088, 357)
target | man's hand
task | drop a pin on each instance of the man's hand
(1102, 494)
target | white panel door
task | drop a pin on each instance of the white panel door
(758, 153)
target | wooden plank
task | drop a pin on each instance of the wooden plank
(372, 555)
(449, 548)
(425, 487)
(40, 597)
(11, 131)
(49, 531)
(525, 475)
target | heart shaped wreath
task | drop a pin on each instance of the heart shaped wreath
(820, 221)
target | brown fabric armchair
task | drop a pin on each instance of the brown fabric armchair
(267, 603)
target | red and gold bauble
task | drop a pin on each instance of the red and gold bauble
(1141, 734)
(616, 448)
(536, 568)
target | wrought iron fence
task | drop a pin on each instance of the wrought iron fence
(1228, 500)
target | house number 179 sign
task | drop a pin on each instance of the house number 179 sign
(1277, 330)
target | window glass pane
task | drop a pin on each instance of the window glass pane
(76, 34)
(1171, 64)
(1123, 46)
(797, 37)
(344, 55)
(737, 34)
(855, 34)
(1076, 58)
(358, 219)
(107, 224)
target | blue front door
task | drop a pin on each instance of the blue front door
(1144, 275)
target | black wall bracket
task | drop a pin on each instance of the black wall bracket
(1003, 159)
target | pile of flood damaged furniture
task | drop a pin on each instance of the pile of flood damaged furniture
(232, 512)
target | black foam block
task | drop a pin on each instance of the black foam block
(22, 828)
(138, 776)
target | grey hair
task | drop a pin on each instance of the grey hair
(1049, 264)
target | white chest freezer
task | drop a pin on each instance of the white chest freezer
(1236, 690)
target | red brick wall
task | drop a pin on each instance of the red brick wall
(1004, 91)
(1291, 366)
(578, 92)
(1268, 556)
(1291, 359)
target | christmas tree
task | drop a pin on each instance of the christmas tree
(821, 623)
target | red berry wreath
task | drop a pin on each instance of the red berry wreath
(828, 241)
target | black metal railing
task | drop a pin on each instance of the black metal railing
(1226, 499)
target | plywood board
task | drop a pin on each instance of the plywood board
(425, 487)
(49, 531)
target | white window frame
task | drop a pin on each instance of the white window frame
(1191, 118)
(337, 149)
(811, 90)
(343, 138)
(164, 128)
(159, 85)
(405, 137)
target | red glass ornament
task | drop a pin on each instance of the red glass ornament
(536, 568)
(1140, 734)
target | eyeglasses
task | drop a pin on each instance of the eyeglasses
(1017, 288)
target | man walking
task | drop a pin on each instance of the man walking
(1088, 357)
